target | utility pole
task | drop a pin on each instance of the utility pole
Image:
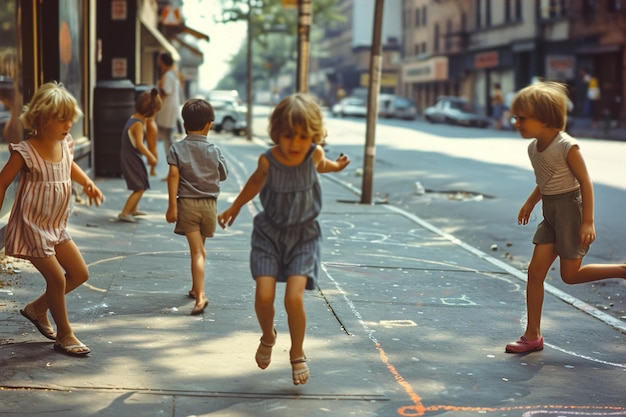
(249, 74)
(372, 105)
(305, 12)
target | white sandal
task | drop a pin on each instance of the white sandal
(297, 373)
(263, 360)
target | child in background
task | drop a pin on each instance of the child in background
(36, 230)
(566, 191)
(132, 152)
(193, 184)
(286, 235)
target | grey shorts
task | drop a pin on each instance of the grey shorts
(196, 214)
(562, 218)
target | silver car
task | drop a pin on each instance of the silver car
(392, 106)
(229, 116)
(456, 111)
(350, 106)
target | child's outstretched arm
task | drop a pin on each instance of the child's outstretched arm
(9, 172)
(324, 164)
(250, 190)
(93, 193)
(529, 205)
(579, 169)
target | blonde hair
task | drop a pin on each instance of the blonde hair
(51, 101)
(546, 101)
(297, 110)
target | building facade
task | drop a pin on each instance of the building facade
(464, 47)
(347, 48)
(90, 46)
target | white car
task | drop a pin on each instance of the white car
(350, 106)
(229, 116)
(455, 111)
(392, 106)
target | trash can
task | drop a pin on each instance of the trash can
(114, 103)
(140, 88)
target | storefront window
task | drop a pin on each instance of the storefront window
(10, 77)
(71, 31)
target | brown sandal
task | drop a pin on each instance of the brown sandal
(33, 317)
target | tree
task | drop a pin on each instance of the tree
(274, 28)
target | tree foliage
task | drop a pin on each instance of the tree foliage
(274, 29)
(269, 15)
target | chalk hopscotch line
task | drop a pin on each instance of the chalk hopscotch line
(581, 305)
(418, 409)
(575, 302)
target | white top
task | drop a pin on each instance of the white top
(552, 172)
(168, 115)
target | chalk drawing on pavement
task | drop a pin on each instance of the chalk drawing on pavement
(419, 409)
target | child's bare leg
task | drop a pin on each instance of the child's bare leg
(542, 259)
(264, 307)
(198, 256)
(68, 259)
(572, 273)
(76, 274)
(296, 317)
(132, 203)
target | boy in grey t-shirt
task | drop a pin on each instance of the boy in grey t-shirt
(196, 168)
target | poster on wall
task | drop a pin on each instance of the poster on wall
(71, 31)
(119, 68)
(560, 67)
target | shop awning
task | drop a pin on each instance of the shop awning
(598, 49)
(197, 34)
(160, 39)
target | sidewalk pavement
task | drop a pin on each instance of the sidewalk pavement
(407, 321)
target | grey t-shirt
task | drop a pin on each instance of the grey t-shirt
(201, 165)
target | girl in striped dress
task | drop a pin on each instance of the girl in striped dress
(286, 235)
(36, 230)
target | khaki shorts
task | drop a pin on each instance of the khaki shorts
(562, 218)
(196, 214)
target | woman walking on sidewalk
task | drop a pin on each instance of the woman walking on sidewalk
(566, 192)
(36, 230)
(286, 235)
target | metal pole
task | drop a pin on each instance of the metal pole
(372, 105)
(304, 24)
(249, 74)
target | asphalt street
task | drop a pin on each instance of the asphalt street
(407, 321)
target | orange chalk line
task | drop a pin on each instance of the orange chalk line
(420, 410)
(417, 400)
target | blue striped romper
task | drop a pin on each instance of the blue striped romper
(286, 235)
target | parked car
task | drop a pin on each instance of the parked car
(224, 95)
(229, 116)
(392, 106)
(456, 111)
(350, 106)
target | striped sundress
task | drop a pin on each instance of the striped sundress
(286, 235)
(39, 215)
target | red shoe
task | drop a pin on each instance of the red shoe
(524, 345)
